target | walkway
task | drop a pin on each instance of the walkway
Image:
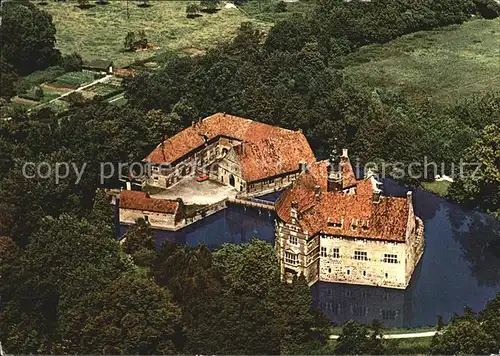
(253, 203)
(401, 336)
(83, 87)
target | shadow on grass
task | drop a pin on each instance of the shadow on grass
(85, 6)
(193, 16)
(210, 11)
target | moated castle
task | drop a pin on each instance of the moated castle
(330, 226)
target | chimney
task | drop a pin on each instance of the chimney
(302, 167)
(193, 123)
(409, 195)
(369, 173)
(317, 192)
(293, 209)
(242, 148)
(334, 175)
(129, 185)
(344, 153)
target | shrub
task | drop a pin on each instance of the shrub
(37, 78)
(488, 9)
(192, 10)
(72, 62)
(35, 93)
(281, 6)
(76, 99)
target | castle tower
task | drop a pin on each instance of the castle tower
(334, 179)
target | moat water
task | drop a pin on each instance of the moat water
(460, 265)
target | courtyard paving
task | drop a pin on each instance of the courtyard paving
(199, 193)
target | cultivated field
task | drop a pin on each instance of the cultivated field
(444, 65)
(99, 32)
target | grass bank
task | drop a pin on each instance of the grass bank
(99, 32)
(444, 65)
(437, 187)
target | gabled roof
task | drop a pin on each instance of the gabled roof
(130, 199)
(268, 150)
(335, 213)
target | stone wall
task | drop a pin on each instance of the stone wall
(291, 240)
(330, 258)
(271, 184)
(341, 265)
(157, 220)
(165, 177)
(229, 172)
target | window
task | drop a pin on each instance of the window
(361, 255)
(348, 271)
(294, 240)
(335, 253)
(388, 258)
(146, 218)
(323, 252)
(386, 275)
(359, 310)
(388, 314)
(364, 273)
(337, 225)
(291, 258)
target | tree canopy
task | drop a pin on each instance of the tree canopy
(28, 37)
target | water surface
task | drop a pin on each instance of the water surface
(460, 265)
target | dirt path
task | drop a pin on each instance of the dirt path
(100, 80)
(401, 336)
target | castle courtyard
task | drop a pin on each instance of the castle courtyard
(199, 193)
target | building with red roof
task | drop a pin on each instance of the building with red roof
(159, 213)
(250, 156)
(333, 227)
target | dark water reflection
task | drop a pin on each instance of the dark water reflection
(460, 265)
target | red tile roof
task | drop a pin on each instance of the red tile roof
(268, 151)
(385, 220)
(130, 199)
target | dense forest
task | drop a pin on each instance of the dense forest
(68, 287)
(293, 78)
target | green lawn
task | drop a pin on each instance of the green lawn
(439, 188)
(337, 330)
(36, 78)
(118, 100)
(444, 65)
(104, 89)
(50, 94)
(99, 32)
(75, 79)
(57, 106)
(265, 10)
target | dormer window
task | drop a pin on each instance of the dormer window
(337, 225)
(364, 227)
(354, 225)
